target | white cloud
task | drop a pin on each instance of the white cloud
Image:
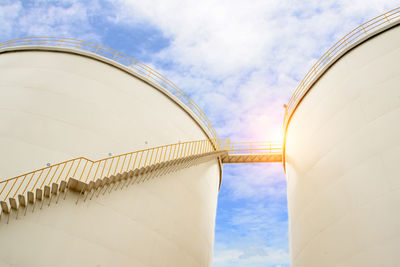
(42, 18)
(8, 13)
(252, 256)
(255, 181)
(251, 232)
(241, 60)
(229, 255)
(226, 37)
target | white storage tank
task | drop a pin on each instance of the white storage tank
(61, 103)
(342, 156)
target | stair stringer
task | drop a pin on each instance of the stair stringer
(15, 208)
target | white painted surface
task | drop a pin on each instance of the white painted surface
(166, 221)
(342, 156)
(57, 106)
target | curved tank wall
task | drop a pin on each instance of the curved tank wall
(342, 156)
(58, 105)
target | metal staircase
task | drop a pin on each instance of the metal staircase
(88, 177)
(92, 178)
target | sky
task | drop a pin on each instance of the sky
(239, 60)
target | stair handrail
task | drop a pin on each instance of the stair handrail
(86, 170)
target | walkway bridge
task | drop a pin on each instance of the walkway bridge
(91, 178)
(252, 152)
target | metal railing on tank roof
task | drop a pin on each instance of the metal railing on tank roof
(134, 65)
(330, 56)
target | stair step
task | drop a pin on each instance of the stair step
(138, 175)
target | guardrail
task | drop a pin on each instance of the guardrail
(86, 170)
(134, 65)
(254, 148)
(336, 49)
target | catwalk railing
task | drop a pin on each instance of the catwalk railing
(252, 152)
(330, 56)
(86, 170)
(254, 148)
(139, 68)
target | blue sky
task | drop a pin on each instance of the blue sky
(239, 60)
